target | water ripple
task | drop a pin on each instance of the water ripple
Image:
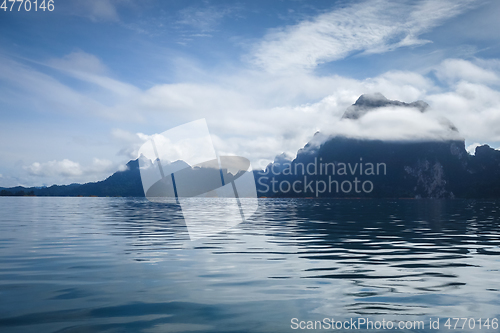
(116, 264)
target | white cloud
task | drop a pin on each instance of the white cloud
(251, 112)
(40, 92)
(471, 149)
(374, 26)
(126, 136)
(100, 166)
(204, 19)
(397, 124)
(90, 69)
(473, 108)
(264, 132)
(79, 61)
(458, 69)
(258, 115)
(98, 10)
(67, 170)
(129, 142)
(402, 85)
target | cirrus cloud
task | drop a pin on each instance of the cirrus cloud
(376, 26)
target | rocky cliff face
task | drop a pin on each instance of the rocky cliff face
(434, 169)
(430, 180)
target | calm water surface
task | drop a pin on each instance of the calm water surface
(127, 265)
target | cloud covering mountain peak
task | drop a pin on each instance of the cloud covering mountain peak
(375, 117)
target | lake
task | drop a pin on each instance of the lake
(127, 265)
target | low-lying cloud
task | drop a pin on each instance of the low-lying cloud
(67, 170)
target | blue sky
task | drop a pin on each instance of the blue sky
(83, 86)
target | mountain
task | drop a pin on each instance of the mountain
(342, 167)
(122, 183)
(388, 169)
(339, 166)
(370, 102)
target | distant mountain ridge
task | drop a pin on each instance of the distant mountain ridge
(125, 183)
(412, 169)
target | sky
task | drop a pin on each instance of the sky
(82, 86)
